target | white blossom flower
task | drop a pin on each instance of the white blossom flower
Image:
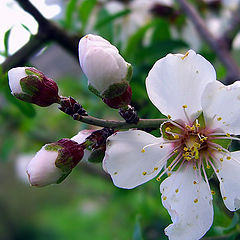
(203, 117)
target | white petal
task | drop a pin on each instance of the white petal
(178, 80)
(14, 77)
(82, 135)
(221, 106)
(80, 138)
(127, 164)
(188, 200)
(41, 169)
(229, 173)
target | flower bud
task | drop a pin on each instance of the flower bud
(120, 101)
(107, 72)
(30, 85)
(54, 162)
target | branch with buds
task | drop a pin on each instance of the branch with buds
(109, 80)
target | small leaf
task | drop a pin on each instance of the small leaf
(26, 28)
(85, 10)
(111, 17)
(6, 41)
(71, 7)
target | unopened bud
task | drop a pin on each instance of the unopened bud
(54, 162)
(30, 85)
(107, 72)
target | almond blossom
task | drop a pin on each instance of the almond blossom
(203, 117)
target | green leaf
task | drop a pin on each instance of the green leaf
(137, 232)
(6, 41)
(106, 29)
(71, 7)
(26, 28)
(85, 10)
(161, 31)
(109, 18)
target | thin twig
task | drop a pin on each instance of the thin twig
(142, 123)
(218, 46)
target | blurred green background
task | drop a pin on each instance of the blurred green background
(87, 205)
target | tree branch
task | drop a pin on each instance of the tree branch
(48, 31)
(218, 46)
(233, 28)
(20, 57)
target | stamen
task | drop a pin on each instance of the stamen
(185, 113)
(205, 175)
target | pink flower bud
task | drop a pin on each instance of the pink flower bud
(30, 85)
(107, 72)
(54, 162)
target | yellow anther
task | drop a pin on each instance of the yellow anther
(175, 151)
(144, 173)
(164, 198)
(224, 198)
(198, 125)
(194, 167)
(219, 149)
(197, 145)
(115, 173)
(221, 159)
(158, 179)
(194, 182)
(156, 168)
(228, 135)
(188, 127)
(219, 118)
(192, 128)
(168, 129)
(213, 192)
(217, 170)
(184, 106)
(195, 200)
(177, 190)
(186, 54)
(176, 136)
(187, 158)
(169, 174)
(185, 149)
(186, 154)
(169, 116)
(169, 168)
(208, 167)
(228, 158)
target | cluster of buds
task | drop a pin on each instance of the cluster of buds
(55, 161)
(107, 72)
(30, 85)
(108, 77)
(71, 107)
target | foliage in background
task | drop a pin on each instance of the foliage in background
(87, 206)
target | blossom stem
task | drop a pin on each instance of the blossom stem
(142, 123)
